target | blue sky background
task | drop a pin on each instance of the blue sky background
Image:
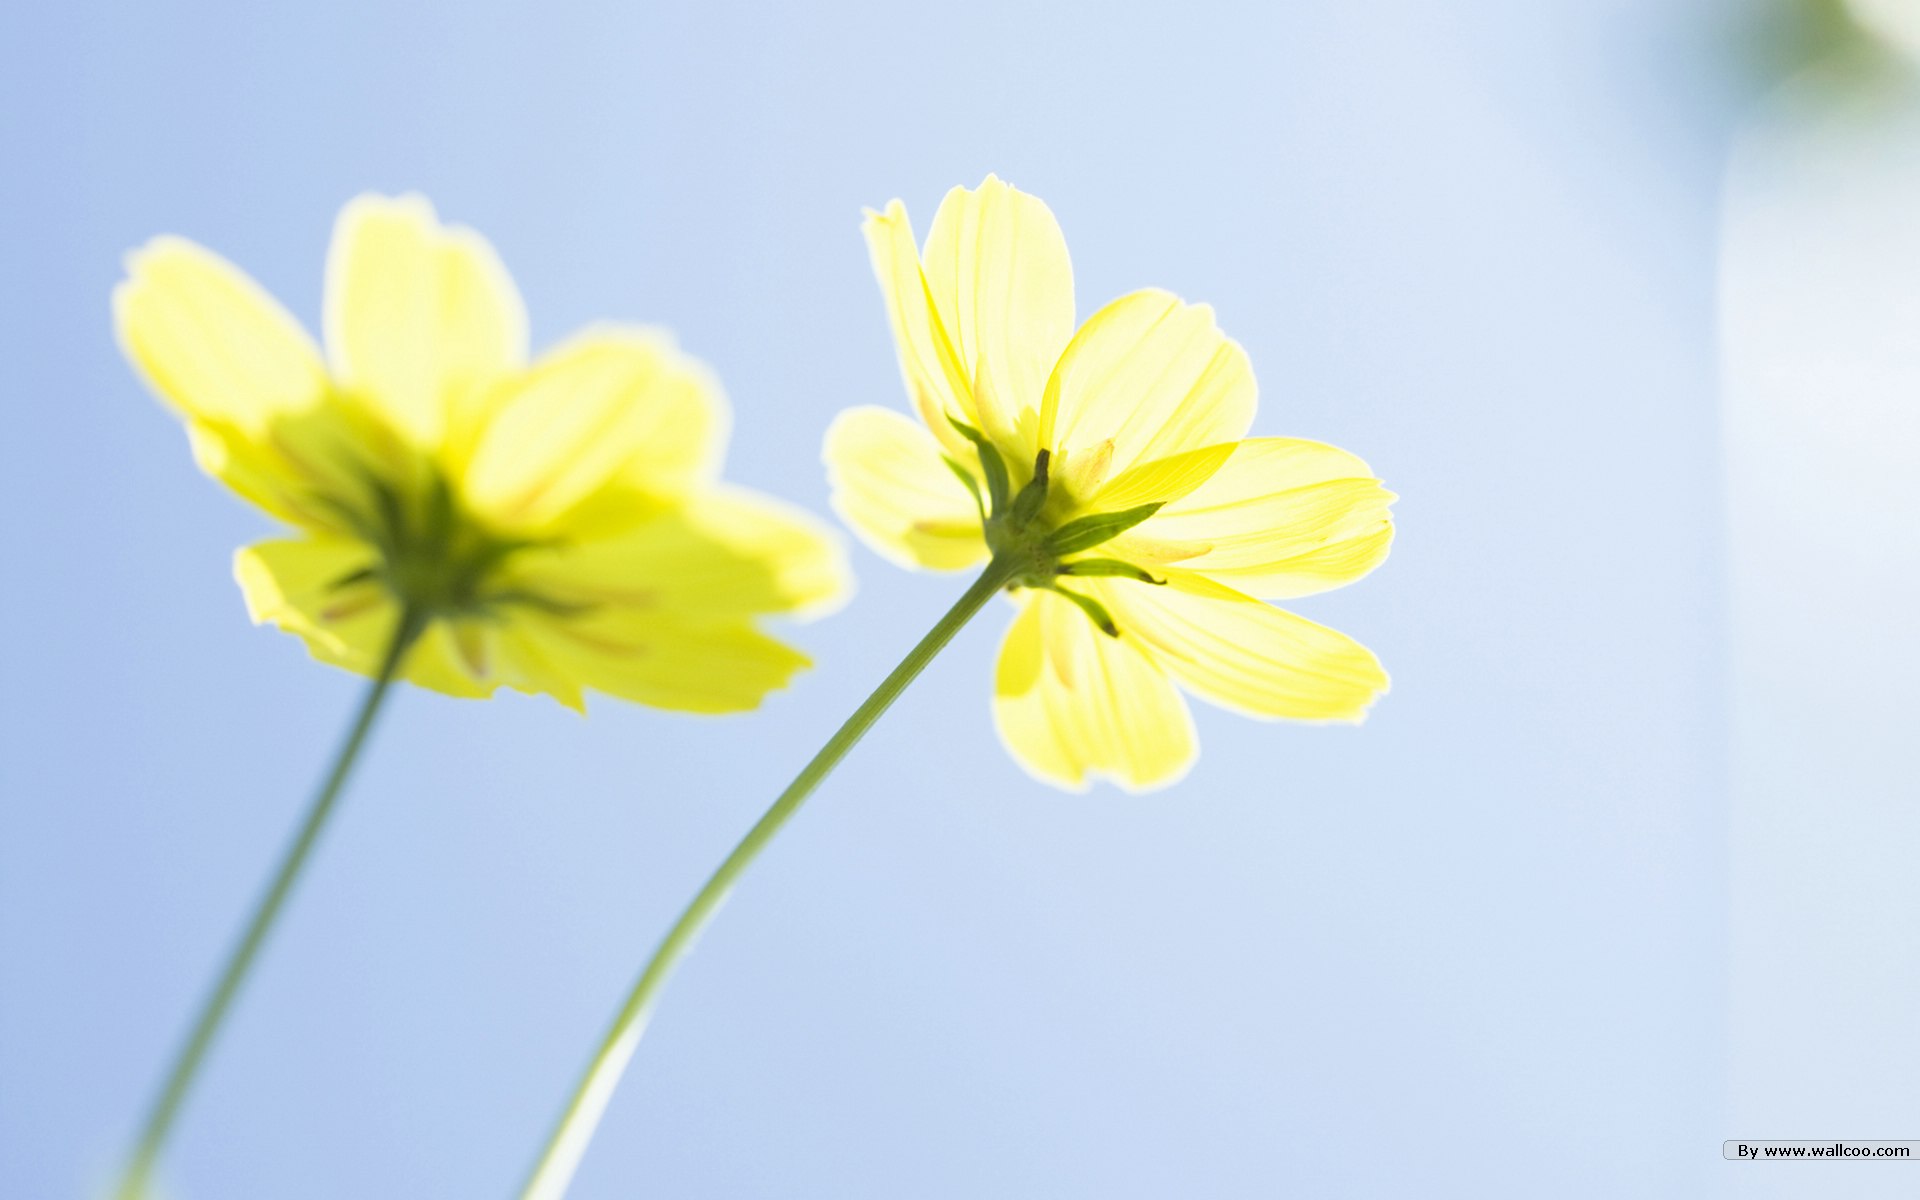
(1473, 242)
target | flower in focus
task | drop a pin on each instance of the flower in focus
(1105, 472)
(552, 526)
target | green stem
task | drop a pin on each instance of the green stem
(568, 1143)
(213, 1012)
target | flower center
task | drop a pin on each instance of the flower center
(433, 557)
(1038, 552)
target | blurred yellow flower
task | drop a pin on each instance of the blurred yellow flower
(552, 526)
(1104, 471)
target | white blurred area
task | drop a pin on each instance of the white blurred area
(1821, 324)
(1895, 22)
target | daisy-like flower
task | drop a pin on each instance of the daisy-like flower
(554, 526)
(1106, 470)
(462, 518)
(1104, 477)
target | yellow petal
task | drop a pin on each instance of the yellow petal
(728, 553)
(1146, 377)
(230, 360)
(997, 269)
(446, 660)
(800, 560)
(1160, 481)
(211, 342)
(1243, 654)
(658, 660)
(419, 316)
(525, 666)
(890, 485)
(253, 468)
(298, 585)
(1069, 701)
(614, 419)
(1283, 517)
(472, 657)
(938, 384)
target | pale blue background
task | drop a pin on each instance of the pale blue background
(1472, 949)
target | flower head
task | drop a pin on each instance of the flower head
(554, 526)
(1106, 469)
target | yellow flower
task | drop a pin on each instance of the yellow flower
(558, 525)
(1103, 471)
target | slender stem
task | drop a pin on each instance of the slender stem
(192, 1055)
(568, 1143)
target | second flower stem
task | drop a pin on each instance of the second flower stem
(137, 1178)
(568, 1143)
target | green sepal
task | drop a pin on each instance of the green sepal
(995, 467)
(392, 517)
(1105, 566)
(1088, 532)
(494, 602)
(363, 575)
(973, 485)
(1096, 611)
(366, 530)
(1026, 506)
(441, 517)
